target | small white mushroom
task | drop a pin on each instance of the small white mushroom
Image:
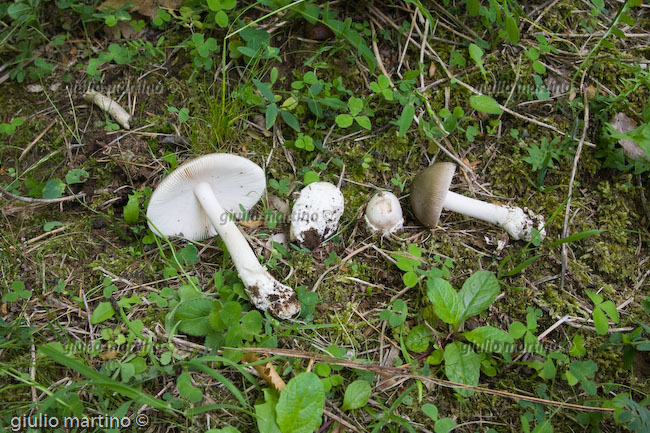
(111, 107)
(430, 194)
(384, 213)
(316, 214)
(196, 201)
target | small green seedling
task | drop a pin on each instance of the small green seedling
(396, 315)
(17, 291)
(220, 7)
(10, 128)
(476, 295)
(182, 113)
(602, 307)
(355, 107)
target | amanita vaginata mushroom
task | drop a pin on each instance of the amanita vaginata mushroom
(430, 194)
(316, 214)
(196, 201)
(384, 213)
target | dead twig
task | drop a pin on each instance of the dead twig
(400, 372)
(42, 200)
(565, 231)
(36, 140)
(46, 234)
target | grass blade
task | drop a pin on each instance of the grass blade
(99, 380)
(523, 265)
(576, 237)
(222, 379)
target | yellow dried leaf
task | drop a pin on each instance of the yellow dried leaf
(266, 371)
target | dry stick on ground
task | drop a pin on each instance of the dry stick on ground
(42, 200)
(375, 49)
(36, 140)
(399, 372)
(108, 105)
(46, 234)
(565, 231)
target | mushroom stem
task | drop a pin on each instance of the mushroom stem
(121, 116)
(265, 292)
(514, 220)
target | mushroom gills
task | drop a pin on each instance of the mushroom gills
(196, 201)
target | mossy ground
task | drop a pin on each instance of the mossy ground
(95, 242)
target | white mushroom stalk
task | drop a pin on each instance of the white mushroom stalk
(514, 220)
(384, 213)
(430, 194)
(121, 116)
(265, 292)
(199, 199)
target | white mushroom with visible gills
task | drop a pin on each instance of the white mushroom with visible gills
(430, 194)
(316, 214)
(384, 213)
(196, 201)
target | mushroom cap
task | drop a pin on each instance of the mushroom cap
(384, 213)
(316, 214)
(429, 190)
(174, 210)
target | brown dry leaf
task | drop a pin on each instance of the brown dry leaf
(122, 30)
(251, 224)
(109, 354)
(471, 165)
(432, 70)
(148, 8)
(623, 124)
(266, 371)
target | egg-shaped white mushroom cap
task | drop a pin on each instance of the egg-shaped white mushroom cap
(174, 209)
(316, 213)
(384, 213)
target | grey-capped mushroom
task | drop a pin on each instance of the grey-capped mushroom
(384, 213)
(197, 200)
(430, 194)
(316, 213)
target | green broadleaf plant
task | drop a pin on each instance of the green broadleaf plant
(601, 309)
(300, 406)
(476, 295)
(356, 395)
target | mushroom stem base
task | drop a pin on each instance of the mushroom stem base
(263, 290)
(519, 223)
